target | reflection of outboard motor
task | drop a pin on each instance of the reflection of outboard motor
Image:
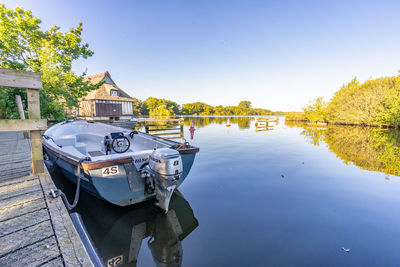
(165, 167)
(164, 242)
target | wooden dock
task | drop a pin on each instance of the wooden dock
(167, 128)
(35, 229)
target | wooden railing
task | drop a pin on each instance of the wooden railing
(31, 81)
(167, 128)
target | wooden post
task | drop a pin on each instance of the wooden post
(36, 135)
(21, 113)
(181, 132)
(20, 108)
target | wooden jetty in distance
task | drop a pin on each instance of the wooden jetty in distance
(167, 128)
(264, 124)
(35, 229)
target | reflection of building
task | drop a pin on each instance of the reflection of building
(109, 102)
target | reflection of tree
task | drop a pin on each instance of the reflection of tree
(242, 122)
(199, 122)
(314, 135)
(368, 148)
(371, 149)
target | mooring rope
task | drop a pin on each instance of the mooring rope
(56, 193)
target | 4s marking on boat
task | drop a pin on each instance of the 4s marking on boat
(117, 261)
(108, 171)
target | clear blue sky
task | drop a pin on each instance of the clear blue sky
(277, 54)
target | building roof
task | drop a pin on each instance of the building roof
(103, 93)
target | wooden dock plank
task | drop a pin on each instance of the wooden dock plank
(25, 237)
(72, 249)
(22, 208)
(17, 200)
(16, 170)
(53, 263)
(16, 180)
(19, 189)
(19, 163)
(14, 175)
(35, 229)
(23, 221)
(45, 252)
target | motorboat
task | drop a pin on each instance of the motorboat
(119, 165)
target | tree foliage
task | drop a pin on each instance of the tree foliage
(25, 46)
(374, 102)
(244, 108)
(155, 106)
(159, 107)
(197, 108)
(244, 104)
(316, 110)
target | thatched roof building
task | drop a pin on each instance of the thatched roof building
(107, 102)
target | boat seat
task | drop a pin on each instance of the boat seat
(96, 153)
(67, 140)
(81, 147)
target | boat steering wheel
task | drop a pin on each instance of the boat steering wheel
(120, 144)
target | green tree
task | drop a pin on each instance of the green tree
(137, 104)
(197, 108)
(316, 110)
(25, 46)
(375, 102)
(245, 104)
(152, 106)
(161, 110)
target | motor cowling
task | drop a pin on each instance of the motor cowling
(166, 163)
(163, 171)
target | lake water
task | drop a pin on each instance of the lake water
(292, 195)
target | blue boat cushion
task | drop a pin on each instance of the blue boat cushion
(66, 140)
(81, 147)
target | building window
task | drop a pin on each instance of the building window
(113, 93)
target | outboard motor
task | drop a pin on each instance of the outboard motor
(165, 167)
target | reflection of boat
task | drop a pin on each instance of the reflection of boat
(118, 233)
(121, 166)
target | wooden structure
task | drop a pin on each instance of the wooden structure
(109, 102)
(35, 229)
(167, 128)
(264, 124)
(33, 83)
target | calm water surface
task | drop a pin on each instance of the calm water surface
(293, 195)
